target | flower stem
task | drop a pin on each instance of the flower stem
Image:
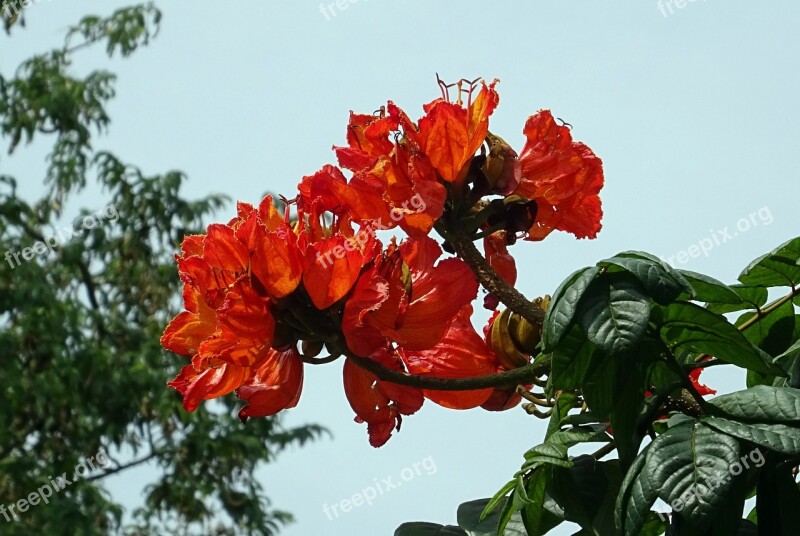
(519, 376)
(491, 281)
(774, 306)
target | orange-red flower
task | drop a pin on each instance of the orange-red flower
(378, 403)
(406, 297)
(401, 181)
(394, 182)
(461, 353)
(450, 134)
(703, 390)
(563, 177)
(274, 385)
(228, 325)
(256, 287)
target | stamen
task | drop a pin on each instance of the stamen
(564, 123)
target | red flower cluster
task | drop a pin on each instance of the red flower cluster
(270, 282)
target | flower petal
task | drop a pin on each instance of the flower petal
(277, 261)
(563, 177)
(197, 385)
(188, 330)
(223, 251)
(461, 353)
(450, 134)
(331, 269)
(245, 327)
(364, 337)
(379, 404)
(435, 301)
(703, 390)
(276, 384)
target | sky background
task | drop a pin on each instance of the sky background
(694, 113)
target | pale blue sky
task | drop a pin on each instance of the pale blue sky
(694, 114)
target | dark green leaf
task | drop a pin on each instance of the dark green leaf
(564, 305)
(636, 496)
(421, 528)
(687, 326)
(778, 500)
(764, 404)
(573, 360)
(691, 463)
(469, 519)
(777, 268)
(773, 333)
(587, 492)
(654, 277)
(751, 298)
(625, 415)
(673, 273)
(790, 362)
(543, 513)
(614, 316)
(777, 437)
(687, 467)
(709, 290)
(601, 388)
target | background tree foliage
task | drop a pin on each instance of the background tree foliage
(79, 327)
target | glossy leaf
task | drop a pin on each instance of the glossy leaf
(564, 305)
(762, 404)
(615, 315)
(469, 518)
(673, 272)
(689, 463)
(654, 277)
(421, 528)
(636, 496)
(709, 290)
(777, 437)
(573, 359)
(777, 268)
(543, 513)
(686, 326)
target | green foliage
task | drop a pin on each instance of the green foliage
(80, 326)
(470, 523)
(622, 338)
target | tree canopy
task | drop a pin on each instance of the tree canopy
(83, 302)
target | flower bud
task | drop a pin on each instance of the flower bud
(525, 335)
(503, 345)
(502, 167)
